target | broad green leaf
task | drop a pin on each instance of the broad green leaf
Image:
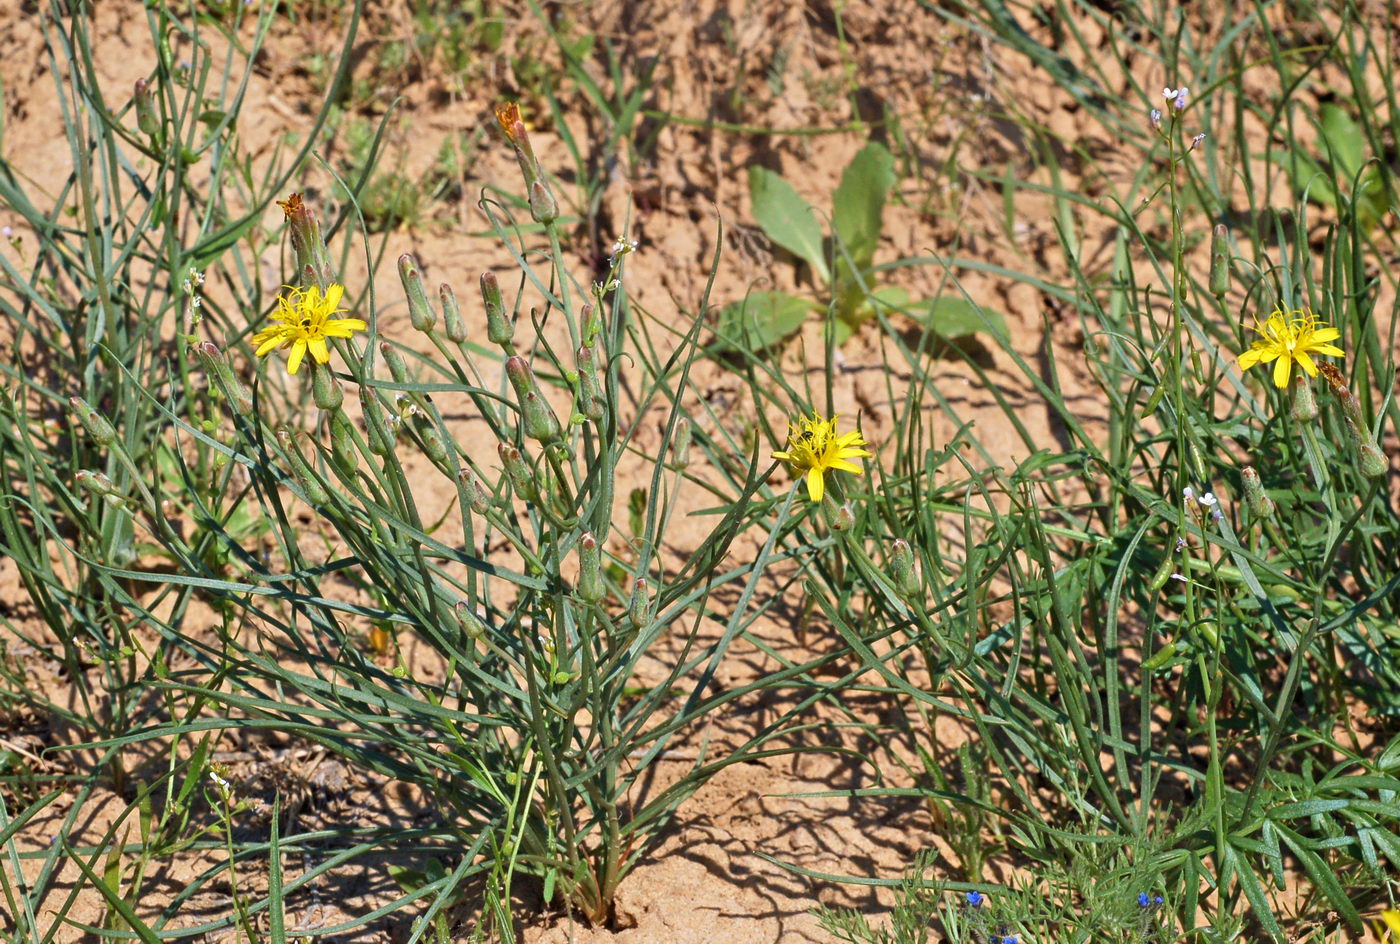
(760, 321)
(1344, 140)
(859, 203)
(950, 316)
(787, 219)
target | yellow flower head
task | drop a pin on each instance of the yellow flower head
(1392, 921)
(1285, 339)
(813, 447)
(508, 114)
(304, 319)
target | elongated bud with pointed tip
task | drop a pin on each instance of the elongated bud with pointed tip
(216, 366)
(592, 323)
(325, 389)
(1304, 408)
(471, 623)
(906, 581)
(147, 115)
(521, 377)
(680, 445)
(452, 324)
(102, 432)
(343, 451)
(478, 498)
(543, 207)
(540, 422)
(420, 310)
(590, 394)
(97, 483)
(398, 369)
(433, 443)
(590, 569)
(1373, 462)
(378, 436)
(313, 261)
(301, 470)
(639, 605)
(1261, 506)
(499, 329)
(1219, 261)
(522, 477)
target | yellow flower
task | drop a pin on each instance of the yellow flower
(508, 114)
(1392, 921)
(305, 318)
(1285, 339)
(813, 447)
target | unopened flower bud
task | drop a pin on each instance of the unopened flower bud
(325, 389)
(1261, 506)
(902, 567)
(216, 366)
(434, 446)
(453, 325)
(420, 310)
(313, 261)
(343, 451)
(398, 369)
(378, 436)
(1155, 116)
(301, 470)
(97, 426)
(1304, 408)
(471, 623)
(522, 378)
(840, 517)
(540, 422)
(499, 329)
(147, 115)
(592, 322)
(639, 606)
(1219, 261)
(590, 569)
(96, 482)
(590, 394)
(478, 498)
(1373, 462)
(543, 207)
(521, 476)
(680, 444)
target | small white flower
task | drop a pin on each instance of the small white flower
(197, 301)
(7, 231)
(1188, 493)
(1197, 140)
(1169, 93)
(1208, 500)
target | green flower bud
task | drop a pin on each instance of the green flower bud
(839, 518)
(680, 445)
(540, 422)
(1261, 506)
(590, 394)
(301, 470)
(398, 369)
(639, 606)
(543, 207)
(325, 388)
(217, 368)
(499, 329)
(101, 431)
(420, 310)
(343, 450)
(1219, 261)
(313, 261)
(1304, 408)
(97, 483)
(471, 623)
(521, 476)
(377, 433)
(906, 581)
(1372, 461)
(521, 377)
(478, 498)
(147, 114)
(590, 569)
(592, 323)
(453, 325)
(433, 444)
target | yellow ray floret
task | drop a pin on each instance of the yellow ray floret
(1286, 339)
(303, 320)
(814, 446)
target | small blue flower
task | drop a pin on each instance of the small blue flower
(975, 899)
(1157, 900)
(1143, 900)
(1010, 939)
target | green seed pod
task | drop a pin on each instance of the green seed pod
(301, 470)
(522, 477)
(147, 114)
(453, 325)
(102, 432)
(639, 606)
(379, 438)
(906, 581)
(590, 569)
(1304, 408)
(1219, 261)
(590, 394)
(478, 498)
(343, 450)
(420, 310)
(1160, 658)
(471, 623)
(540, 422)
(1261, 506)
(325, 388)
(1162, 574)
(499, 329)
(543, 207)
(398, 369)
(680, 445)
